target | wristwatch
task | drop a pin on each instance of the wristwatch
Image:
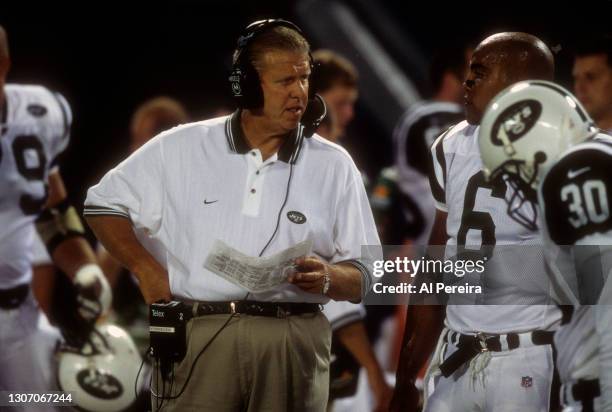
(326, 283)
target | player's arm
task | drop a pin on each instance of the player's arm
(68, 247)
(423, 326)
(62, 232)
(353, 337)
(117, 235)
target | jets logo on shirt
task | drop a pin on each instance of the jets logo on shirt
(514, 122)
(296, 217)
(526, 381)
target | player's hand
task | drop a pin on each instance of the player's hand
(382, 394)
(405, 398)
(154, 285)
(310, 274)
(94, 296)
(84, 301)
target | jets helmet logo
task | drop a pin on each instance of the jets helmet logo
(514, 122)
(99, 384)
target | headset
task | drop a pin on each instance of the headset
(245, 83)
(244, 79)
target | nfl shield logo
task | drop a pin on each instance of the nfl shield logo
(526, 381)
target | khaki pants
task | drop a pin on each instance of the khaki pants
(255, 364)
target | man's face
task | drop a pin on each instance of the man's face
(284, 80)
(486, 77)
(340, 100)
(593, 84)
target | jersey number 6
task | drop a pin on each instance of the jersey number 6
(475, 220)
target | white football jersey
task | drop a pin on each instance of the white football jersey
(575, 198)
(412, 138)
(35, 130)
(342, 313)
(478, 224)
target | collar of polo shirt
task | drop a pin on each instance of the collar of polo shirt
(288, 152)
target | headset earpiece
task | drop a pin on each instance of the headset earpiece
(244, 79)
(314, 115)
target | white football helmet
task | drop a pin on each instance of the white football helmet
(101, 375)
(523, 131)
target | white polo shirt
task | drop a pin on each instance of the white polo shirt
(200, 182)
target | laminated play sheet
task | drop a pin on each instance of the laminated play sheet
(255, 274)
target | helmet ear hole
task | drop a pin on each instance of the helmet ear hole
(540, 157)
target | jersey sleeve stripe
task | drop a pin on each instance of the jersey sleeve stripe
(437, 171)
(346, 319)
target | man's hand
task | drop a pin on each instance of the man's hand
(344, 279)
(154, 284)
(117, 236)
(310, 274)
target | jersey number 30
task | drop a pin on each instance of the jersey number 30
(588, 204)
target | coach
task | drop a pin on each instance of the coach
(256, 181)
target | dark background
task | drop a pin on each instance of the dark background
(108, 57)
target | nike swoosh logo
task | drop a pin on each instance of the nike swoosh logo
(208, 203)
(573, 173)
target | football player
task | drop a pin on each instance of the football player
(539, 138)
(496, 356)
(414, 134)
(35, 131)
